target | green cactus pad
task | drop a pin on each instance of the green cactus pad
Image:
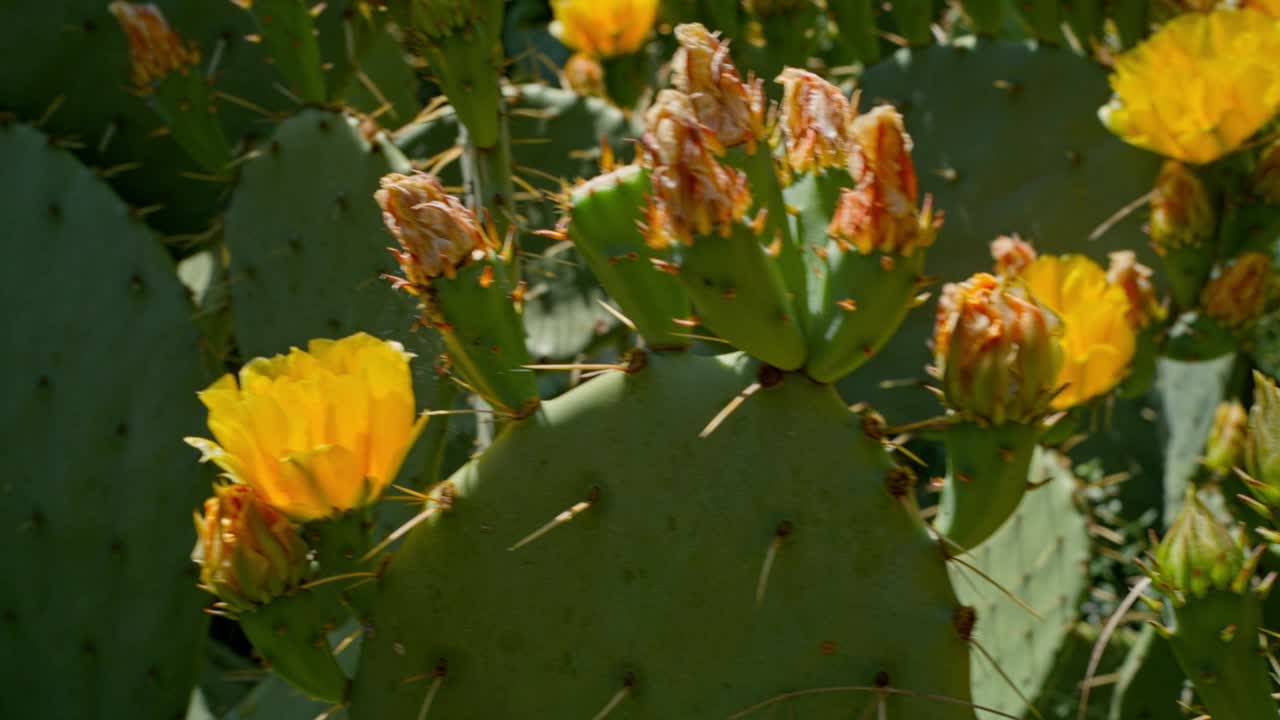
(987, 469)
(308, 248)
(1216, 643)
(655, 583)
(1006, 140)
(1039, 556)
(99, 610)
(1149, 683)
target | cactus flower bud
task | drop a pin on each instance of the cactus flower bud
(1011, 255)
(1225, 447)
(315, 433)
(603, 28)
(154, 48)
(1134, 278)
(1262, 443)
(584, 75)
(879, 213)
(437, 233)
(1181, 212)
(1198, 554)
(1266, 181)
(693, 194)
(815, 121)
(733, 109)
(248, 552)
(1238, 294)
(997, 351)
(1097, 340)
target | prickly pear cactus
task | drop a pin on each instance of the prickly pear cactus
(97, 498)
(776, 537)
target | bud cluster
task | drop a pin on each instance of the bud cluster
(155, 49)
(1237, 295)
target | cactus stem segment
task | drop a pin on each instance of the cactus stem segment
(628, 683)
(782, 533)
(592, 497)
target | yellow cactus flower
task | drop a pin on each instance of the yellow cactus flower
(1097, 341)
(603, 28)
(1237, 295)
(879, 214)
(154, 48)
(1270, 7)
(1199, 87)
(815, 121)
(693, 193)
(317, 432)
(248, 552)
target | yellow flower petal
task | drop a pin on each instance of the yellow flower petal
(603, 28)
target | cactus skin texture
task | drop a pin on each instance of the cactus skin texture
(98, 497)
(656, 580)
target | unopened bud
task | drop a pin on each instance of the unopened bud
(997, 351)
(1225, 447)
(1126, 273)
(693, 194)
(584, 75)
(1011, 255)
(1262, 443)
(154, 48)
(1198, 554)
(1237, 295)
(733, 109)
(815, 121)
(879, 213)
(249, 553)
(1181, 212)
(1266, 181)
(436, 232)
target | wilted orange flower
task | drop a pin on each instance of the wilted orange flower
(248, 552)
(437, 233)
(731, 108)
(1237, 295)
(996, 350)
(693, 194)
(584, 75)
(815, 121)
(603, 28)
(879, 213)
(1011, 254)
(1097, 340)
(154, 48)
(1134, 278)
(315, 433)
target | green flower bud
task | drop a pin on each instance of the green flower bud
(1226, 438)
(1198, 554)
(1262, 444)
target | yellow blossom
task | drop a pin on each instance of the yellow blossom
(154, 48)
(316, 432)
(1098, 340)
(603, 28)
(1237, 295)
(1270, 7)
(1199, 87)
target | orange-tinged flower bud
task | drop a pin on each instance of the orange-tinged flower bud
(693, 194)
(437, 233)
(1181, 212)
(584, 75)
(249, 553)
(815, 121)
(1266, 181)
(1011, 255)
(1126, 273)
(154, 48)
(603, 28)
(315, 433)
(1237, 295)
(996, 350)
(1098, 342)
(1225, 447)
(733, 109)
(879, 213)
